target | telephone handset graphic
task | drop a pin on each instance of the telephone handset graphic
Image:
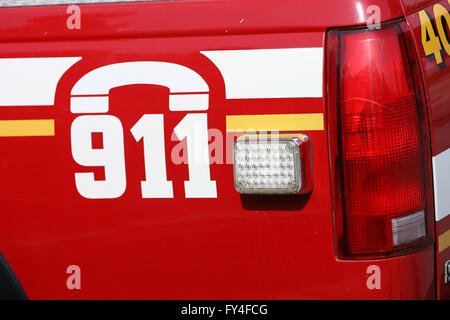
(187, 92)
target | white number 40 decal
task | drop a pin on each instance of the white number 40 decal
(150, 128)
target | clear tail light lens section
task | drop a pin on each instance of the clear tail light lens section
(380, 128)
(279, 164)
(408, 229)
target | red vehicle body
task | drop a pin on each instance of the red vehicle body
(231, 246)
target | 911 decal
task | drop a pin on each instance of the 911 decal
(432, 43)
(187, 90)
(150, 128)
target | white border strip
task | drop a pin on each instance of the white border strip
(270, 73)
(441, 176)
(29, 3)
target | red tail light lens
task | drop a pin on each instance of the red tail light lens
(381, 134)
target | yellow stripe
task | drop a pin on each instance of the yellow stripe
(444, 241)
(27, 128)
(275, 122)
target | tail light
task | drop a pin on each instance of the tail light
(378, 123)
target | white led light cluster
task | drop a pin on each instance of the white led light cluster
(267, 166)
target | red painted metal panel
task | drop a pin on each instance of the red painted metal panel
(174, 18)
(129, 247)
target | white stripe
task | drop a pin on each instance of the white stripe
(270, 73)
(441, 176)
(89, 104)
(188, 102)
(31, 81)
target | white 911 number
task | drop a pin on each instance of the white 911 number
(149, 128)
